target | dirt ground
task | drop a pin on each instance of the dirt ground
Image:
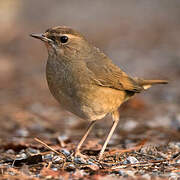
(38, 137)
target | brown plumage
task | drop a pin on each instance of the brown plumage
(84, 80)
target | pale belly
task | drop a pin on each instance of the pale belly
(91, 103)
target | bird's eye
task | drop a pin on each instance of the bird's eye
(63, 39)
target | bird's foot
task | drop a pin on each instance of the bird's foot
(100, 156)
(79, 154)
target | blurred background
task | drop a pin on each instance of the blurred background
(141, 36)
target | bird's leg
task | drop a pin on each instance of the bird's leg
(84, 138)
(115, 116)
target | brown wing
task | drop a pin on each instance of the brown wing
(108, 74)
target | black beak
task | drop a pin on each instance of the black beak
(38, 36)
(42, 37)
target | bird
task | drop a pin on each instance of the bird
(85, 81)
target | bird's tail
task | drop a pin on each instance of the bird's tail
(146, 84)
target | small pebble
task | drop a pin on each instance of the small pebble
(173, 176)
(131, 160)
(79, 160)
(117, 172)
(32, 151)
(48, 157)
(65, 152)
(10, 151)
(178, 144)
(57, 159)
(70, 167)
(54, 169)
(121, 173)
(21, 156)
(22, 151)
(91, 163)
(174, 145)
(125, 162)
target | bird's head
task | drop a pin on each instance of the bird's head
(65, 42)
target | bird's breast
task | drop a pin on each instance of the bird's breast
(75, 92)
